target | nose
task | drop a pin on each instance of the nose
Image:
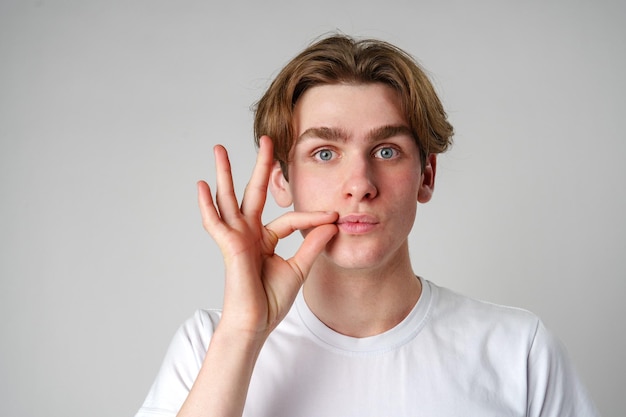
(359, 181)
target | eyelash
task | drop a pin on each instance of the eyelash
(317, 154)
(395, 151)
(376, 151)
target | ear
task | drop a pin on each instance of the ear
(279, 186)
(427, 187)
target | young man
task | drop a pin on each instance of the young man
(348, 134)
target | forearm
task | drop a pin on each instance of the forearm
(222, 384)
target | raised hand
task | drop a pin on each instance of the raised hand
(260, 285)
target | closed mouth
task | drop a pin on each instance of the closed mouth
(357, 218)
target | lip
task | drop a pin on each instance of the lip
(357, 223)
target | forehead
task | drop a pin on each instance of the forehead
(351, 108)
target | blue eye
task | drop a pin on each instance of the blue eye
(386, 153)
(325, 154)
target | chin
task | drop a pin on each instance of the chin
(351, 256)
(364, 252)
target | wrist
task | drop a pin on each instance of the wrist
(239, 337)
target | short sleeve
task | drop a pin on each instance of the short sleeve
(554, 388)
(180, 366)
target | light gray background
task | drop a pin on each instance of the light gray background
(108, 113)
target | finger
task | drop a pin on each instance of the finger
(210, 217)
(289, 222)
(225, 193)
(255, 194)
(314, 243)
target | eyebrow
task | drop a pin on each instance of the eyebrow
(337, 134)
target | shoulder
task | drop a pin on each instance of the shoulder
(449, 305)
(481, 328)
(515, 341)
(196, 332)
(189, 345)
(203, 321)
(181, 364)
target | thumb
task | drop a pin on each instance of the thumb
(314, 243)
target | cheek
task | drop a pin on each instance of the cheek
(313, 194)
(403, 186)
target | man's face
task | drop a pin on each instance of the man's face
(354, 154)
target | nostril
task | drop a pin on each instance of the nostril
(359, 185)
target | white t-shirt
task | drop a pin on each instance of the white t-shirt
(451, 356)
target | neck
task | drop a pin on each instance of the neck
(362, 302)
